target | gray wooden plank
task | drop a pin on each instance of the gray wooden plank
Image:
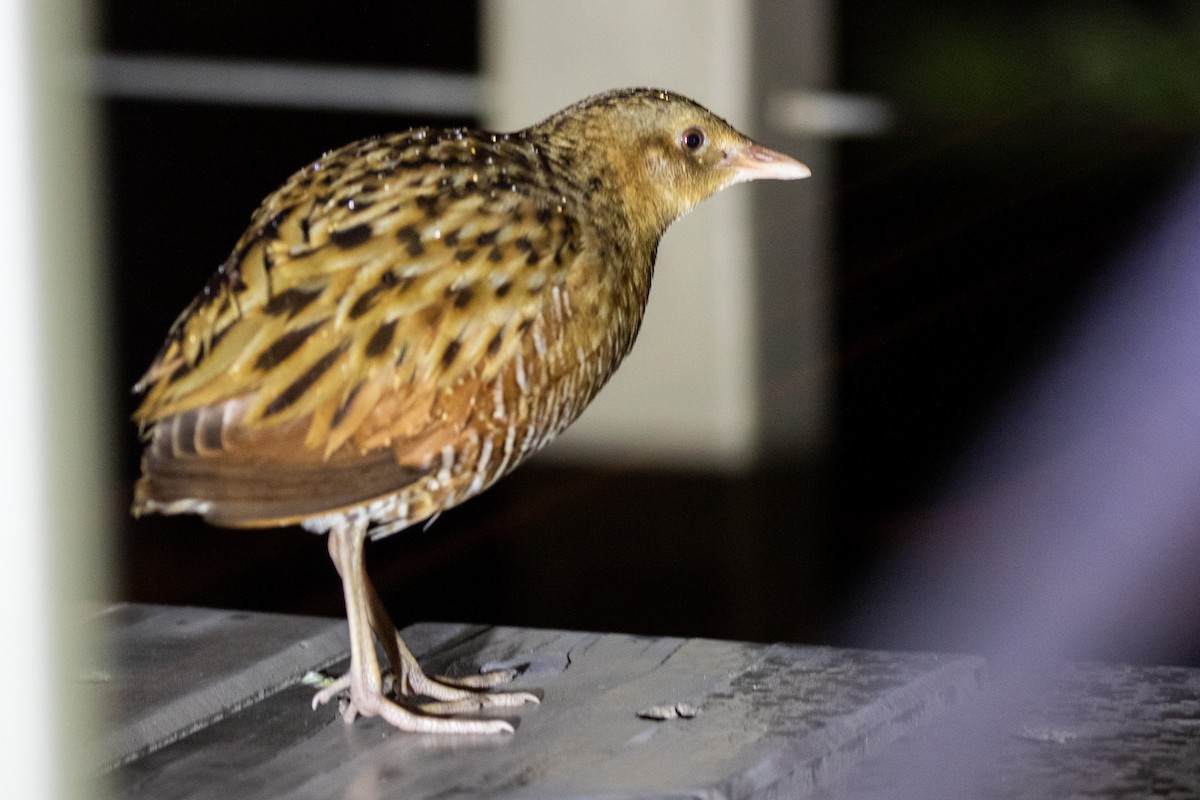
(1084, 730)
(773, 721)
(174, 670)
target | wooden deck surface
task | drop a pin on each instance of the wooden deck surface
(210, 704)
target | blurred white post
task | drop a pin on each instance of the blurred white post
(51, 356)
(26, 745)
(687, 395)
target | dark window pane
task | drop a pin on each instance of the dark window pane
(441, 35)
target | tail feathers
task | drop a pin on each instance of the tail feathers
(236, 487)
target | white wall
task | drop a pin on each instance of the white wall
(686, 395)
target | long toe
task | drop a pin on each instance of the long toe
(471, 691)
(484, 680)
(402, 718)
(477, 702)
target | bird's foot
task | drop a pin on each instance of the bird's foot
(428, 722)
(467, 693)
(373, 693)
(420, 720)
(447, 696)
(417, 720)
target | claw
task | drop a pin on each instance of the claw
(331, 690)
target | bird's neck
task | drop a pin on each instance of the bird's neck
(616, 212)
(605, 175)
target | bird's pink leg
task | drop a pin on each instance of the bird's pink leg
(365, 680)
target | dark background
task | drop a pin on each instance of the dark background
(1031, 146)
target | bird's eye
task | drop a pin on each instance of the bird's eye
(692, 140)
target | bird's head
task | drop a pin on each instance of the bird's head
(662, 152)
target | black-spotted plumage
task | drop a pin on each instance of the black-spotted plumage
(411, 316)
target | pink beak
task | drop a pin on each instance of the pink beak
(753, 162)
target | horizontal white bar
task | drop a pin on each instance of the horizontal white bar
(829, 114)
(267, 83)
